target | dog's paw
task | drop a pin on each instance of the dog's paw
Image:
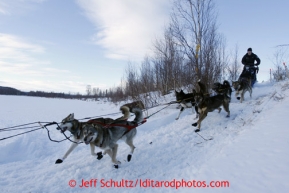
(99, 155)
(115, 166)
(228, 116)
(59, 161)
(177, 118)
(129, 157)
(197, 130)
(194, 124)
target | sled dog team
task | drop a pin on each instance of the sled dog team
(105, 132)
(203, 103)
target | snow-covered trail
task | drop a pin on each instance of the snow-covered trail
(249, 149)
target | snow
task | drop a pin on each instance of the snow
(249, 150)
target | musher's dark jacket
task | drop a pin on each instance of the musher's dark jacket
(250, 60)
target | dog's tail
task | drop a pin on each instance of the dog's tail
(228, 89)
(203, 88)
(138, 114)
(125, 112)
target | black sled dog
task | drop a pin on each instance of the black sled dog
(207, 104)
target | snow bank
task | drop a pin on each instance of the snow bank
(248, 152)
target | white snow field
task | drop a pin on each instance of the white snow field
(249, 151)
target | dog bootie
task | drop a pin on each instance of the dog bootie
(194, 124)
(129, 157)
(59, 161)
(99, 155)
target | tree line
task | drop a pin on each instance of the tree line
(190, 49)
(13, 91)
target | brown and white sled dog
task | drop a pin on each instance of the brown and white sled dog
(106, 138)
(208, 104)
(241, 86)
(76, 129)
(137, 104)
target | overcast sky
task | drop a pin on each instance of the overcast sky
(64, 45)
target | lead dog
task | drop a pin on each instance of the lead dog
(106, 138)
(241, 86)
(76, 129)
(186, 101)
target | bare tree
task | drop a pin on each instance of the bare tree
(147, 83)
(146, 77)
(280, 57)
(234, 69)
(132, 81)
(167, 63)
(88, 90)
(190, 49)
(194, 28)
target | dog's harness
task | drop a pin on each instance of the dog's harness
(126, 125)
(245, 81)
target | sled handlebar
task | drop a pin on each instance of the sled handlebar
(251, 66)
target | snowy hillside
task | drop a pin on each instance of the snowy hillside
(249, 151)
